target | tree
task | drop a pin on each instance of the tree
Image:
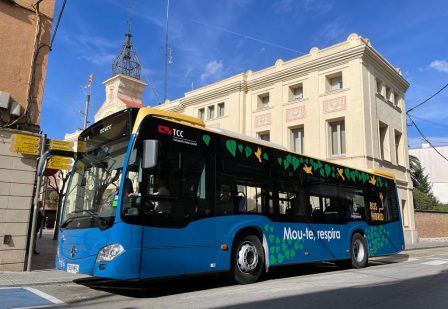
(58, 182)
(419, 179)
(423, 197)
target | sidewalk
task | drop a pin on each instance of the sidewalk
(42, 266)
(46, 247)
(428, 244)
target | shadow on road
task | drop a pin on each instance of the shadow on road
(421, 292)
(158, 288)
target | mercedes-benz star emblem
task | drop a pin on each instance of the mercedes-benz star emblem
(73, 251)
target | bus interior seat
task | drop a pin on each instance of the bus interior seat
(133, 211)
(317, 213)
(240, 203)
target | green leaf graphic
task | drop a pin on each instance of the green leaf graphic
(206, 139)
(280, 258)
(322, 173)
(248, 151)
(240, 148)
(231, 146)
(265, 156)
(327, 169)
(295, 163)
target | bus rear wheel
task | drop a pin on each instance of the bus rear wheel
(247, 260)
(358, 251)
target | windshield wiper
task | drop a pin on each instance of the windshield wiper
(95, 216)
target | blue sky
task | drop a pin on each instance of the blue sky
(212, 40)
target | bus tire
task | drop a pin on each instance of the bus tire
(247, 262)
(358, 251)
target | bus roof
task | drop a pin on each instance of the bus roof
(165, 114)
(193, 121)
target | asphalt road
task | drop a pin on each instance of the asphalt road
(414, 279)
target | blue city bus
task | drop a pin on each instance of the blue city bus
(156, 194)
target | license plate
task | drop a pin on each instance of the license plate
(73, 268)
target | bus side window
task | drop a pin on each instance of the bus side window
(316, 207)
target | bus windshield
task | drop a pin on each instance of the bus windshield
(91, 197)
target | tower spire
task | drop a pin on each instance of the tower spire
(127, 62)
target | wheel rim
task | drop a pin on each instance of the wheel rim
(358, 251)
(247, 258)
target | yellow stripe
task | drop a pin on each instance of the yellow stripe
(146, 111)
(382, 173)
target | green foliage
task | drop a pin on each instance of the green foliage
(423, 197)
(425, 201)
(419, 179)
(53, 196)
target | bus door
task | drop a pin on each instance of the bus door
(179, 231)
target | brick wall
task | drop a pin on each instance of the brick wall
(431, 224)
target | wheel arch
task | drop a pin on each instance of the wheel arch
(258, 232)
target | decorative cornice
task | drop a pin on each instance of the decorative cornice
(307, 67)
(214, 94)
(381, 64)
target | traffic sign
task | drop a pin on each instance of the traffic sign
(60, 163)
(81, 146)
(61, 145)
(25, 144)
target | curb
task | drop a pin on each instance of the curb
(432, 246)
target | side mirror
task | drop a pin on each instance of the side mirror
(150, 153)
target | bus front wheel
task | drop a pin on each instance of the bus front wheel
(247, 260)
(358, 251)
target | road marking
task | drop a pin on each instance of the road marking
(435, 262)
(48, 297)
(25, 297)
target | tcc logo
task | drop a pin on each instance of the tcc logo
(167, 130)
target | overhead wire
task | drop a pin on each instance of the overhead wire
(57, 23)
(426, 139)
(420, 104)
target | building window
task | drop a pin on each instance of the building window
(404, 215)
(297, 139)
(263, 101)
(221, 110)
(396, 99)
(379, 87)
(398, 149)
(384, 149)
(296, 92)
(201, 113)
(334, 82)
(388, 94)
(337, 138)
(265, 136)
(211, 112)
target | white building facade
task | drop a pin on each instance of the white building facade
(436, 167)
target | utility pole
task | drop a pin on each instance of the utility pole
(167, 53)
(86, 111)
(33, 235)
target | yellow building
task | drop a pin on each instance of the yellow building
(344, 103)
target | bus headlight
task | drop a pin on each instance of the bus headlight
(109, 253)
